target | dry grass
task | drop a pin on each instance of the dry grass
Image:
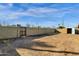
(60, 44)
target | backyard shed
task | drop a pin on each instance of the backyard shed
(67, 30)
(70, 30)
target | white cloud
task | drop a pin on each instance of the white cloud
(34, 12)
(42, 10)
(37, 12)
(10, 4)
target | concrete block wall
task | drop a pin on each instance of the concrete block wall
(36, 31)
(11, 32)
(8, 32)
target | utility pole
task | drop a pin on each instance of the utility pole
(63, 22)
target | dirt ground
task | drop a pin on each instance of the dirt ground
(53, 45)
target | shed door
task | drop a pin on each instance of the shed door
(69, 30)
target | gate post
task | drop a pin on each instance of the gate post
(18, 30)
(25, 31)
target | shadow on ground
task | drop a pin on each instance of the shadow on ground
(66, 52)
(7, 50)
(9, 45)
(28, 43)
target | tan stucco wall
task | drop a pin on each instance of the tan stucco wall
(77, 30)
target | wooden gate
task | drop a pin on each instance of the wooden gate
(23, 31)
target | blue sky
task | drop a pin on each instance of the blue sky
(43, 14)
